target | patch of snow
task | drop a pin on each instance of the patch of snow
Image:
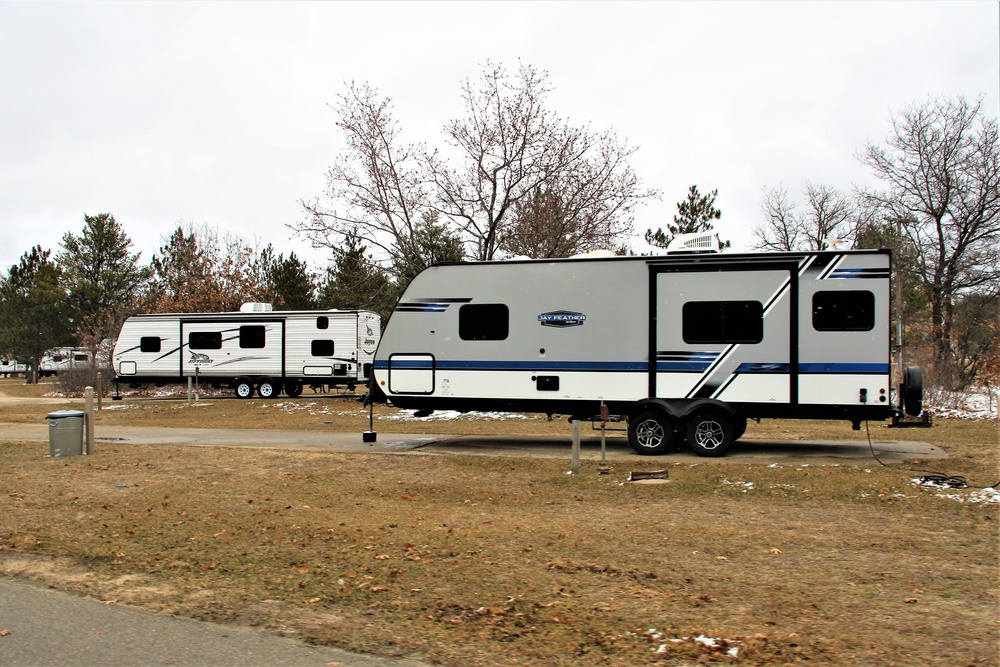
(976, 403)
(746, 486)
(452, 415)
(987, 495)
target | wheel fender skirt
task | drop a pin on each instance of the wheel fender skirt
(679, 409)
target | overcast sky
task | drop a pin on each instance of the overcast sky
(219, 112)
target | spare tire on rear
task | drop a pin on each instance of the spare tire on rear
(912, 391)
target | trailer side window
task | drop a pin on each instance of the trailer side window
(252, 337)
(844, 311)
(205, 340)
(486, 321)
(322, 322)
(322, 348)
(149, 344)
(723, 322)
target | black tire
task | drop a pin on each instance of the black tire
(243, 388)
(268, 388)
(913, 391)
(293, 388)
(710, 433)
(739, 427)
(650, 433)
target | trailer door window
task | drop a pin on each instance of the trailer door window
(322, 322)
(252, 337)
(844, 311)
(149, 344)
(486, 321)
(205, 340)
(723, 322)
(322, 348)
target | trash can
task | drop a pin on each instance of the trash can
(65, 433)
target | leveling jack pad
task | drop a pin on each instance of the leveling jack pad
(369, 436)
(637, 476)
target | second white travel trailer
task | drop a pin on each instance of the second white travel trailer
(12, 368)
(255, 350)
(62, 359)
(682, 346)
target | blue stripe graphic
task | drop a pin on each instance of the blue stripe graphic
(755, 368)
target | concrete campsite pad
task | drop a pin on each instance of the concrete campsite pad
(745, 451)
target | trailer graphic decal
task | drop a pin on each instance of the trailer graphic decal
(860, 273)
(428, 305)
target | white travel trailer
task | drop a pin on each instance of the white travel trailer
(253, 350)
(682, 346)
(11, 368)
(62, 359)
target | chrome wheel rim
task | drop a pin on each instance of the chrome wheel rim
(709, 435)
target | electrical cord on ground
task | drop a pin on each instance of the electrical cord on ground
(931, 477)
(871, 447)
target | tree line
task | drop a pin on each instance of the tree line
(81, 295)
(511, 178)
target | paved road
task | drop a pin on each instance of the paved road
(40, 627)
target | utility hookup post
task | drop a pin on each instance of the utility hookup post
(575, 469)
(88, 419)
(604, 469)
(100, 391)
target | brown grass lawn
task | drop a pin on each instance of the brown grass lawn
(478, 560)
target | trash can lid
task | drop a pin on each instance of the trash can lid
(62, 414)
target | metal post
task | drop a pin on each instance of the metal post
(576, 448)
(100, 391)
(603, 469)
(190, 383)
(88, 419)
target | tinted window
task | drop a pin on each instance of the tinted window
(844, 311)
(322, 348)
(205, 340)
(252, 336)
(723, 322)
(322, 322)
(488, 321)
(149, 344)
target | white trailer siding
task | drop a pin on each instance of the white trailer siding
(283, 348)
(578, 333)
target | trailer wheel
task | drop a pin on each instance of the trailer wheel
(267, 388)
(650, 433)
(293, 388)
(244, 388)
(710, 433)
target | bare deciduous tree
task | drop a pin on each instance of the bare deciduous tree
(941, 169)
(509, 146)
(375, 186)
(829, 214)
